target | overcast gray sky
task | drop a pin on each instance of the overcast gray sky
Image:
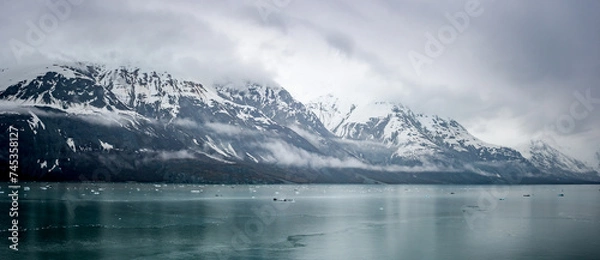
(510, 71)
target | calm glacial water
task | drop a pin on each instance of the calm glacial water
(147, 221)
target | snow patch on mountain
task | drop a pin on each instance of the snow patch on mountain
(43, 164)
(252, 158)
(26, 74)
(216, 158)
(56, 166)
(106, 146)
(35, 122)
(275, 103)
(137, 88)
(71, 144)
(366, 112)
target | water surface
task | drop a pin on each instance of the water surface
(158, 221)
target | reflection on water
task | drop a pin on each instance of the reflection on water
(157, 221)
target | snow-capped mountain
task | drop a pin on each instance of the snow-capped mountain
(81, 121)
(139, 115)
(554, 162)
(418, 138)
(276, 103)
(414, 135)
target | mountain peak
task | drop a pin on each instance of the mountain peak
(548, 157)
(411, 135)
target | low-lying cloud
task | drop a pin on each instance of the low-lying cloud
(284, 154)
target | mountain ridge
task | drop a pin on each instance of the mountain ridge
(137, 125)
